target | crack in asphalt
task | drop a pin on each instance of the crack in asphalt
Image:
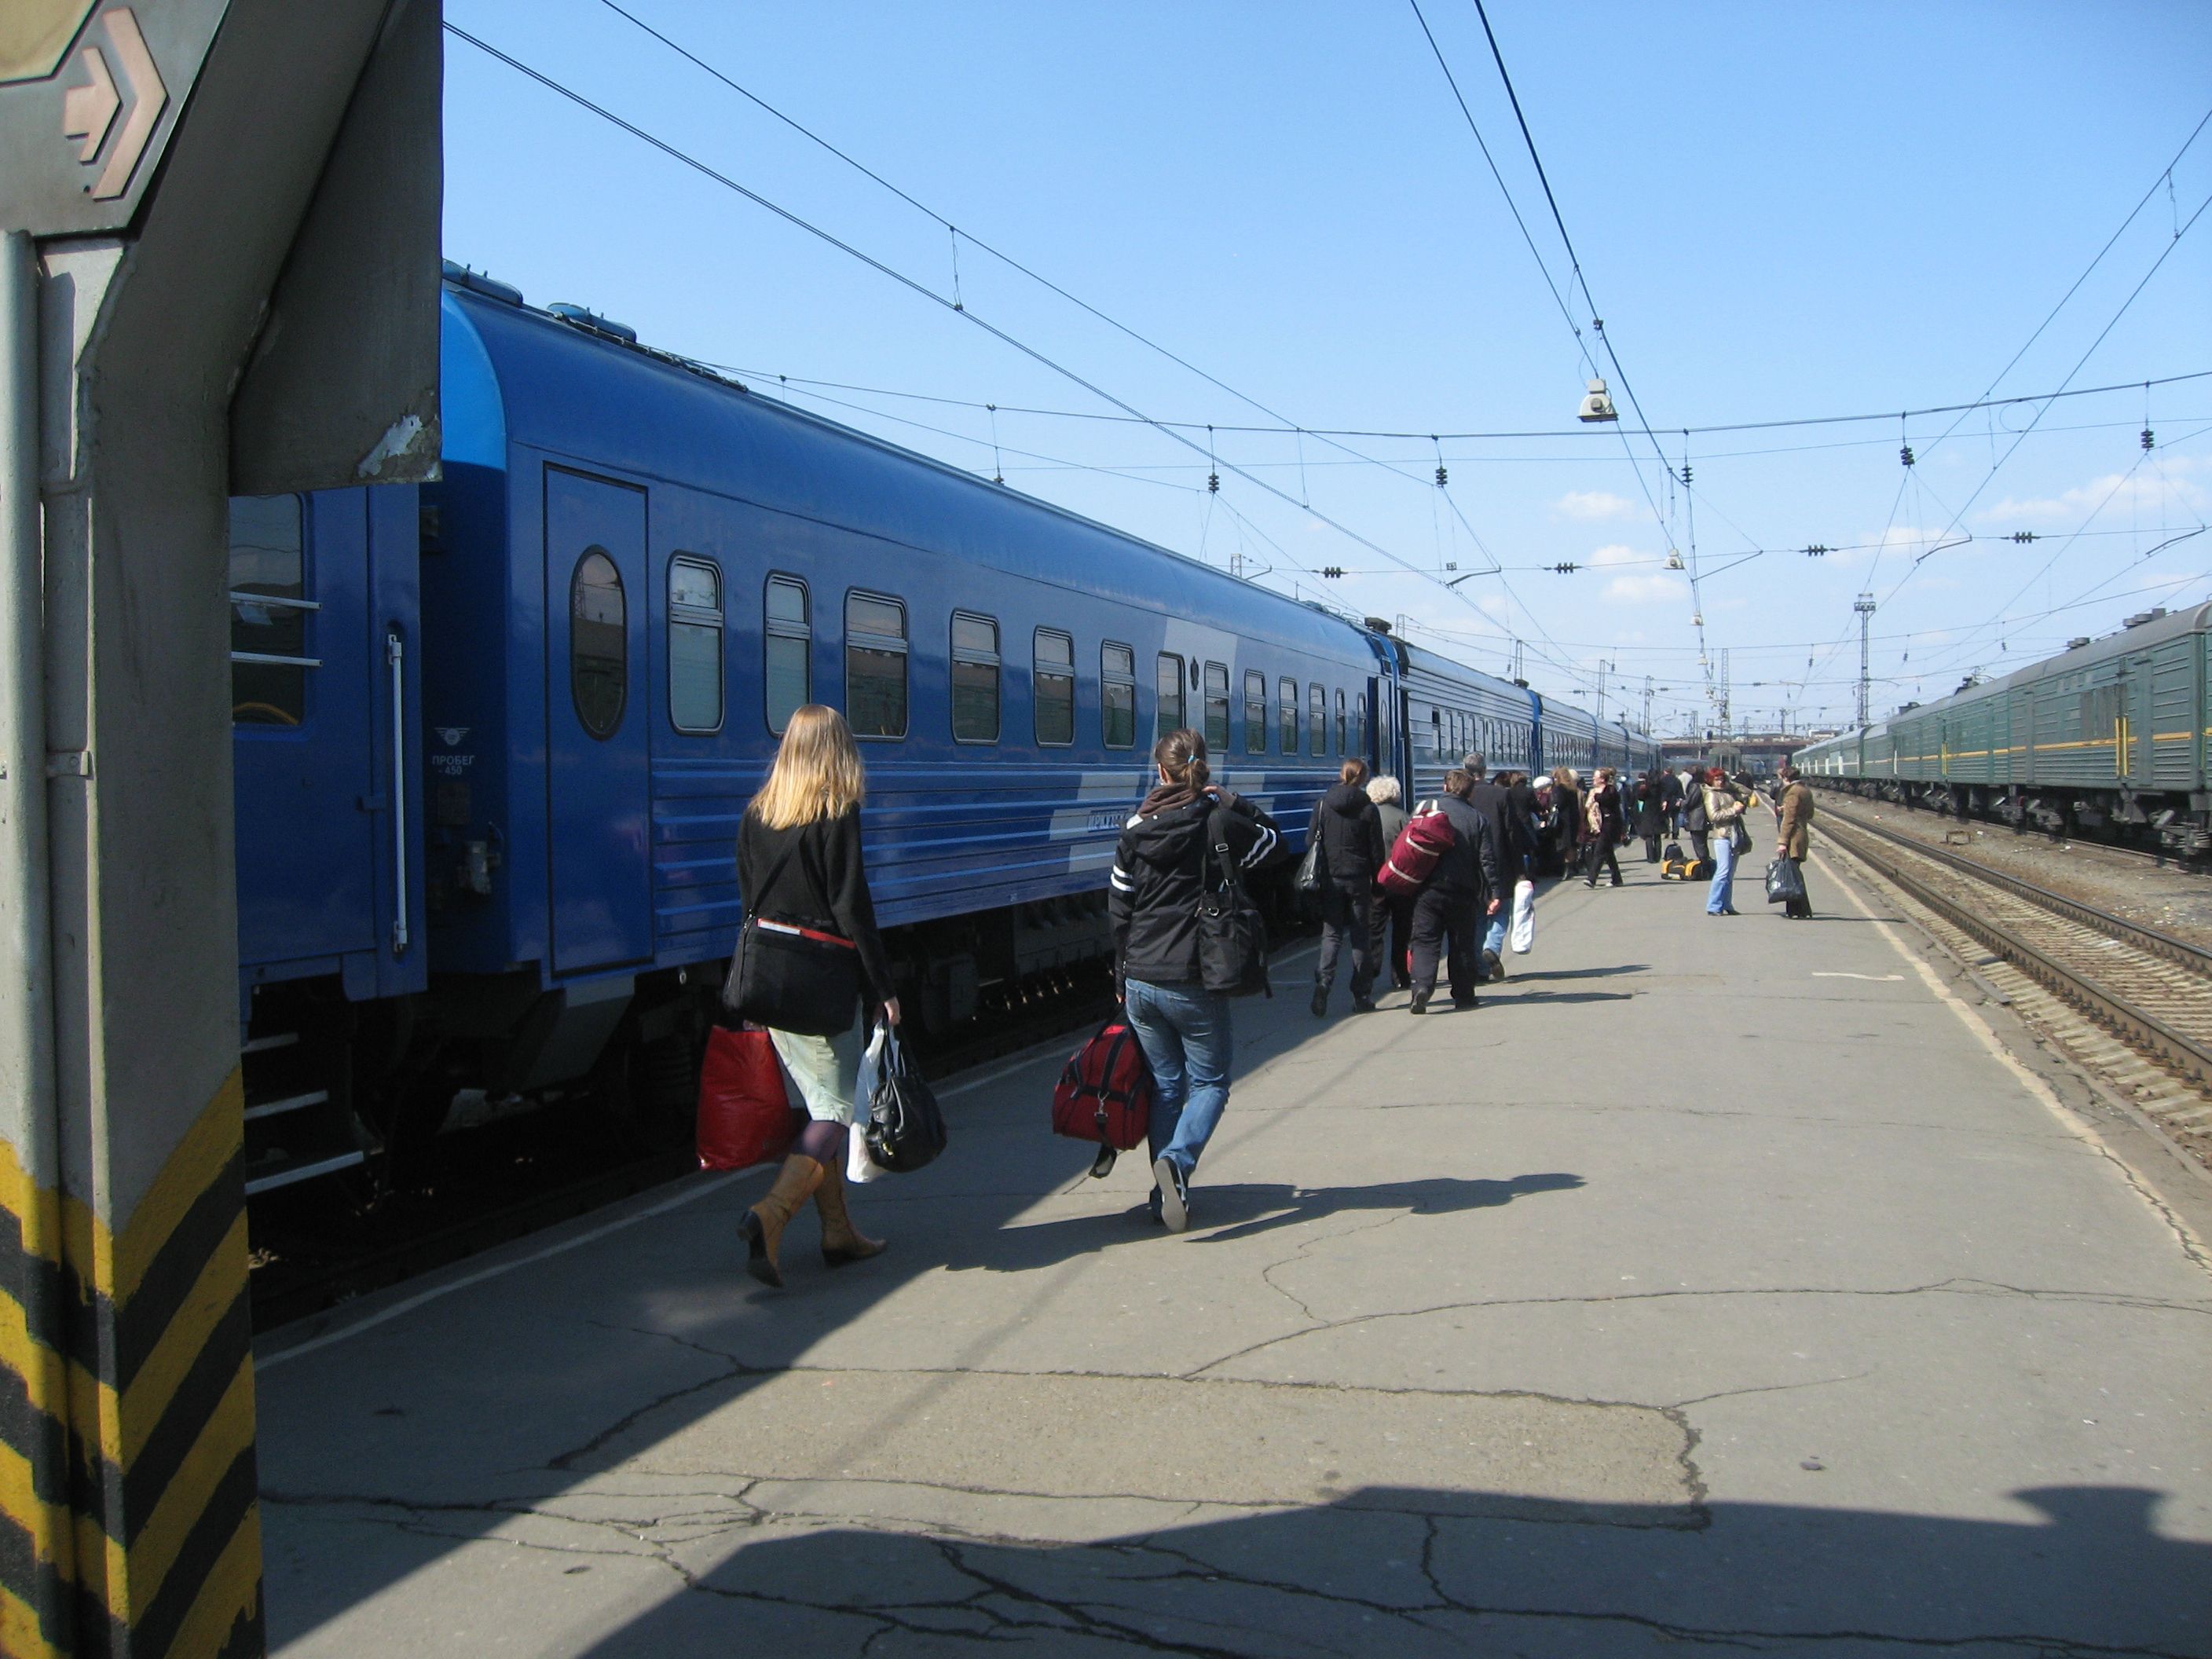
(1007, 1606)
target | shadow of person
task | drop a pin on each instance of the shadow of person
(1434, 1573)
(1607, 972)
(1561, 996)
(1237, 1211)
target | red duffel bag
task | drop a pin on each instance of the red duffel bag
(1426, 837)
(745, 1116)
(1105, 1093)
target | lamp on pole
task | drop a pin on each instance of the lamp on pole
(1864, 606)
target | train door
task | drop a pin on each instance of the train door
(597, 787)
(1375, 743)
(303, 691)
(2141, 730)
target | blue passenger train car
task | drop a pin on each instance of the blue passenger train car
(559, 673)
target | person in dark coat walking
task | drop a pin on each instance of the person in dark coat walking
(1520, 802)
(799, 860)
(1160, 871)
(1566, 818)
(1349, 831)
(1490, 799)
(1602, 827)
(1697, 819)
(1392, 912)
(1670, 799)
(1462, 888)
(1650, 813)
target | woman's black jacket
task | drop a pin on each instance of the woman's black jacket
(823, 884)
(1351, 833)
(1161, 865)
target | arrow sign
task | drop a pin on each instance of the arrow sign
(88, 111)
(148, 97)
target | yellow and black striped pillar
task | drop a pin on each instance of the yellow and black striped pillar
(126, 1412)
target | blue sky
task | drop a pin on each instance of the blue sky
(1781, 211)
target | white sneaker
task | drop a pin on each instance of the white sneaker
(1174, 1196)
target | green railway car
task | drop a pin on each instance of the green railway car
(2114, 737)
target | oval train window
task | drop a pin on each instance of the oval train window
(599, 643)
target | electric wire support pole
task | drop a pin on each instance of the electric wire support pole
(190, 192)
(1864, 606)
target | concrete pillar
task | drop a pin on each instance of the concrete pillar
(128, 1520)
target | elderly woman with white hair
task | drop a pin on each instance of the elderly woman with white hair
(1392, 913)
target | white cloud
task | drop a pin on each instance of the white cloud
(1615, 553)
(2145, 489)
(1594, 504)
(1655, 589)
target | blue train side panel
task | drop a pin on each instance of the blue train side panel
(648, 538)
(326, 681)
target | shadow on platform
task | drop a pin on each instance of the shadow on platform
(1413, 1573)
(1234, 1210)
(1606, 972)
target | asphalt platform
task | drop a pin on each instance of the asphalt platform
(1719, 1283)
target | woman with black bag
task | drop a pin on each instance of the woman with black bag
(808, 955)
(1343, 840)
(1185, 843)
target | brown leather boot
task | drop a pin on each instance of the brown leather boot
(842, 1242)
(764, 1223)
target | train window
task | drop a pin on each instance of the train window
(1169, 681)
(875, 666)
(270, 613)
(1051, 682)
(1216, 707)
(786, 650)
(1359, 721)
(975, 678)
(1286, 692)
(695, 644)
(1341, 730)
(1117, 697)
(1255, 712)
(599, 643)
(1316, 720)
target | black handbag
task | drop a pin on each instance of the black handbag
(792, 978)
(905, 1129)
(1308, 878)
(1232, 939)
(1784, 882)
(1741, 833)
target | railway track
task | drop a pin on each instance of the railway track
(2134, 1002)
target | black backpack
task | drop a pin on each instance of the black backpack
(1232, 939)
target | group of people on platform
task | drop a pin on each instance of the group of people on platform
(799, 859)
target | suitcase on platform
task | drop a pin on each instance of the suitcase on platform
(1105, 1094)
(1686, 870)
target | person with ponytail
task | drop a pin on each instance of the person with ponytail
(801, 837)
(1162, 865)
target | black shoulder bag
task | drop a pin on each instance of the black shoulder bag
(791, 978)
(1232, 939)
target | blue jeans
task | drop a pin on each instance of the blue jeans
(1184, 1032)
(1720, 898)
(1493, 927)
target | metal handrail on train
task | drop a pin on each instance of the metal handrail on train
(2178, 951)
(2184, 1054)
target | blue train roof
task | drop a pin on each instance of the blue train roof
(558, 388)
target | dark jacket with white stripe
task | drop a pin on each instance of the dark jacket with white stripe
(1161, 866)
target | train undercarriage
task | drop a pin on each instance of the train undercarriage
(2176, 823)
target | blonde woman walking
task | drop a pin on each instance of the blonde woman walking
(799, 861)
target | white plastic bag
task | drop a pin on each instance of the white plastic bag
(1524, 917)
(859, 1166)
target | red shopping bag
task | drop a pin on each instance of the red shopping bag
(745, 1116)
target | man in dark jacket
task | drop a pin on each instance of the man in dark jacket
(1349, 832)
(1670, 798)
(1506, 837)
(1464, 882)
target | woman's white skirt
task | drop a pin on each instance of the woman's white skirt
(821, 1071)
